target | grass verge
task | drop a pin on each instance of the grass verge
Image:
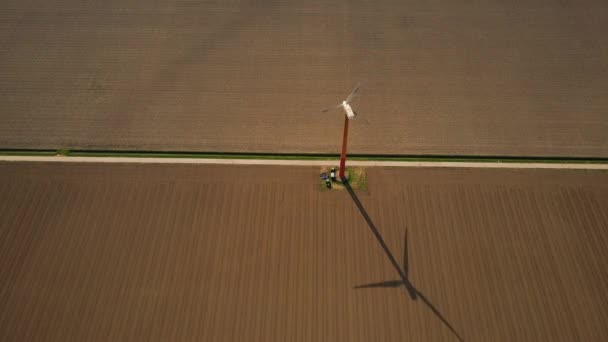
(303, 156)
(318, 156)
(9, 152)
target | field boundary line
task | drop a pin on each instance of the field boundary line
(305, 162)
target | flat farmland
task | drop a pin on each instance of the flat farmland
(443, 77)
(183, 252)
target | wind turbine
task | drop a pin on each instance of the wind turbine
(349, 114)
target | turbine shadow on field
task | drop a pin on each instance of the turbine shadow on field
(403, 273)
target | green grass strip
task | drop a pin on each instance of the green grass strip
(16, 152)
(203, 155)
(363, 157)
(303, 156)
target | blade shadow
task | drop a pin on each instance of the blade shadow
(438, 314)
(391, 283)
(398, 283)
(403, 273)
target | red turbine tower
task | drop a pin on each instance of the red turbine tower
(349, 114)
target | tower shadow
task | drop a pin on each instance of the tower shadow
(403, 272)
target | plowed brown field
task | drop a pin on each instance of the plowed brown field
(209, 253)
(440, 77)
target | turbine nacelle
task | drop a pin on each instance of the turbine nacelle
(345, 105)
(350, 113)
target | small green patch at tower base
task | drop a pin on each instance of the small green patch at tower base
(355, 176)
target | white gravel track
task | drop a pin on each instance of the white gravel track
(145, 160)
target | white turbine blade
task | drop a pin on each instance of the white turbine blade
(362, 119)
(352, 94)
(325, 110)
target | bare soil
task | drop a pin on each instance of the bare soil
(448, 77)
(112, 252)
